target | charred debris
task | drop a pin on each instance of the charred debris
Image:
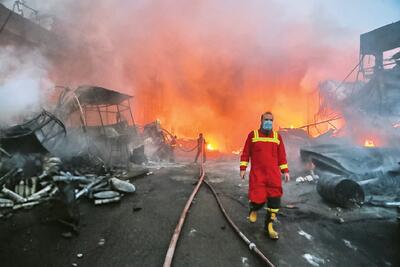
(87, 147)
(357, 163)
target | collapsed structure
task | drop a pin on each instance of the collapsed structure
(87, 149)
(359, 162)
(86, 144)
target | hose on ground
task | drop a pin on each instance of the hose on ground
(189, 150)
(251, 245)
(175, 237)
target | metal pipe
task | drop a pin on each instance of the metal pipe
(320, 122)
(6, 203)
(40, 193)
(5, 152)
(70, 178)
(107, 200)
(85, 190)
(26, 205)
(8, 174)
(13, 195)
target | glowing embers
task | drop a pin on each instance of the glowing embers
(369, 143)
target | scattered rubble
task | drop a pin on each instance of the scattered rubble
(159, 143)
(101, 242)
(106, 195)
(306, 235)
(122, 186)
(313, 260)
(41, 178)
(89, 147)
(55, 184)
(340, 220)
(192, 232)
(349, 245)
(245, 262)
(347, 174)
(307, 178)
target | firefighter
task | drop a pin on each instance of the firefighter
(265, 149)
(201, 147)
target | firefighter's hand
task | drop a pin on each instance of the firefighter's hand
(286, 177)
(242, 174)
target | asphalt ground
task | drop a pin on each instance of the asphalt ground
(137, 231)
(311, 233)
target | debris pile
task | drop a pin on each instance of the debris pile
(89, 147)
(350, 173)
(346, 174)
(357, 160)
(54, 184)
(159, 143)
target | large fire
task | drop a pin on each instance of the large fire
(201, 68)
(210, 147)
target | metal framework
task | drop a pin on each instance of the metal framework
(375, 43)
(104, 113)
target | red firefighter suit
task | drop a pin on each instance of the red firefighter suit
(268, 160)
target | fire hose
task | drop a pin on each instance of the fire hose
(175, 237)
(251, 245)
(174, 240)
(190, 150)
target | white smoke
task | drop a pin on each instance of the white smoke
(23, 83)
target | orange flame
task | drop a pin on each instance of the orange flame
(212, 81)
(369, 143)
(210, 147)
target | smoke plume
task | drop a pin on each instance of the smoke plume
(203, 66)
(23, 83)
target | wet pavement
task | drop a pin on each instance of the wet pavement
(313, 232)
(137, 231)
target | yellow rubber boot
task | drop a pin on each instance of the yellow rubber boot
(271, 218)
(252, 216)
